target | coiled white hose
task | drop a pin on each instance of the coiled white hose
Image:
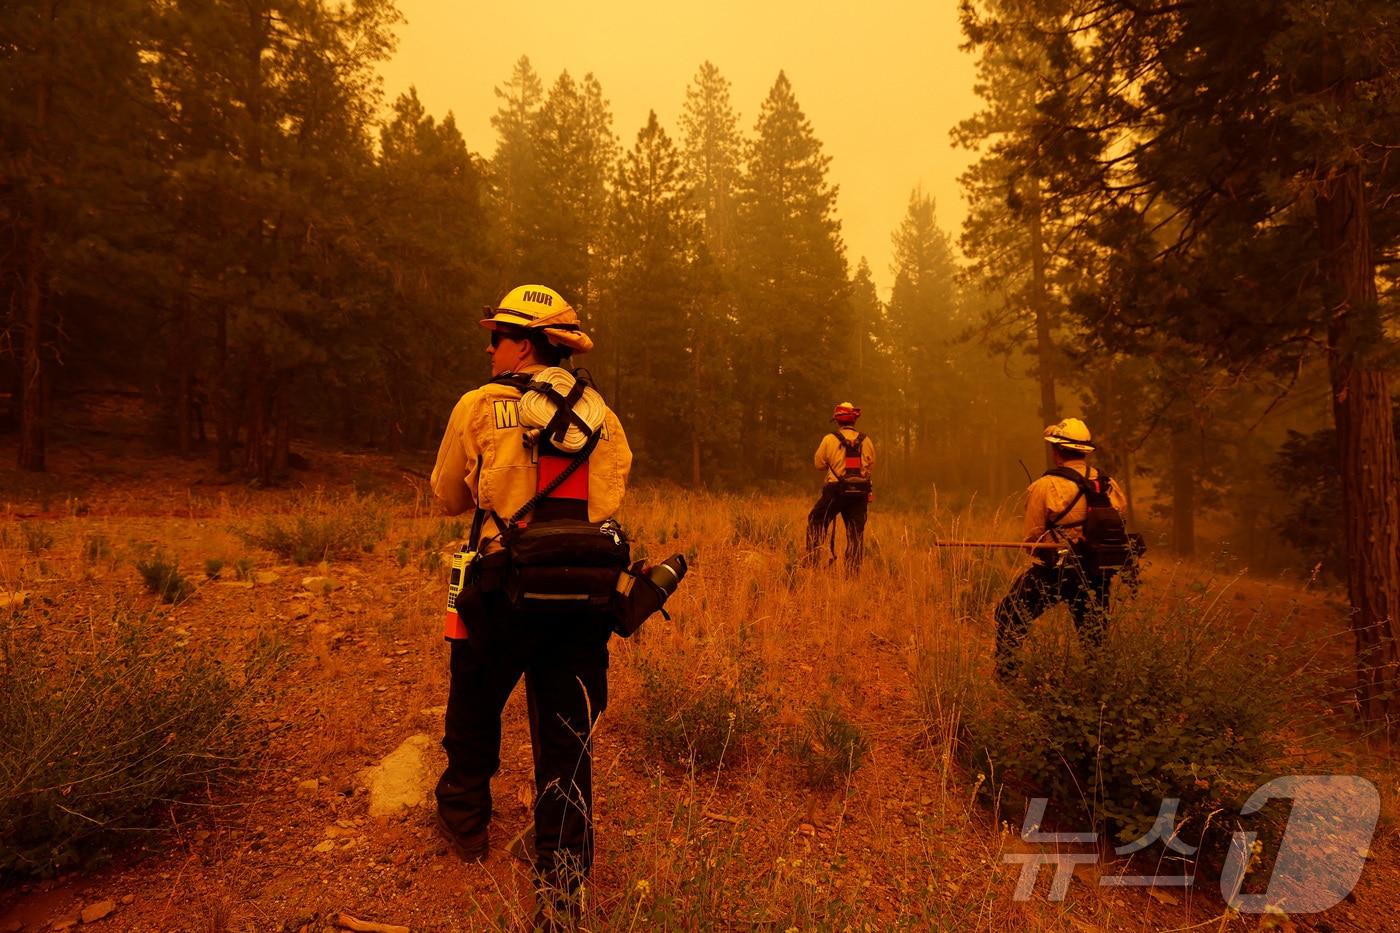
(537, 410)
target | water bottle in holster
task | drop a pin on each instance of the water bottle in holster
(642, 592)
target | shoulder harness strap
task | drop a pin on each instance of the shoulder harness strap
(1082, 486)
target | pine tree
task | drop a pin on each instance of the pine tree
(793, 284)
(653, 237)
(712, 154)
(515, 169)
(711, 157)
(430, 232)
(268, 109)
(924, 321)
(1238, 195)
(867, 360)
(72, 115)
(575, 151)
(1022, 235)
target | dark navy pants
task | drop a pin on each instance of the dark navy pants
(1036, 590)
(565, 665)
(852, 510)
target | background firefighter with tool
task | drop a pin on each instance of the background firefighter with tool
(1074, 529)
(847, 457)
(544, 463)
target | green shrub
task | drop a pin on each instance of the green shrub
(1168, 707)
(108, 740)
(213, 567)
(702, 718)
(322, 530)
(828, 746)
(243, 568)
(401, 554)
(163, 577)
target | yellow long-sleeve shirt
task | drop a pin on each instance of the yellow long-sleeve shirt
(831, 455)
(483, 459)
(1049, 495)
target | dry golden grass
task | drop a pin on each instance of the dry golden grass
(902, 650)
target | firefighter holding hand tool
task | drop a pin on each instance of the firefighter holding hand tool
(1074, 528)
(543, 462)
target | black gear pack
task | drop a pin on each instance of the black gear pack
(1105, 547)
(851, 482)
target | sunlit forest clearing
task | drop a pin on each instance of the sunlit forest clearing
(794, 749)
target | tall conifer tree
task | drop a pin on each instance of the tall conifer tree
(794, 316)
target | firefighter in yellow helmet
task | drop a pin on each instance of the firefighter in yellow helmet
(1078, 507)
(494, 464)
(846, 457)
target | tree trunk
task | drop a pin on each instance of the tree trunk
(282, 430)
(1362, 409)
(256, 462)
(695, 415)
(34, 284)
(31, 412)
(223, 392)
(1040, 305)
(182, 362)
(1127, 484)
(1183, 454)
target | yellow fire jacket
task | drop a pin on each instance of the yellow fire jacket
(1048, 496)
(831, 456)
(483, 459)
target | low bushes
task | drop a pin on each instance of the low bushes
(1170, 707)
(321, 530)
(702, 714)
(102, 736)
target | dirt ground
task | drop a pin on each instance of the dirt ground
(294, 846)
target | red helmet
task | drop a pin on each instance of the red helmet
(845, 413)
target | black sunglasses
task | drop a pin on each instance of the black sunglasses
(499, 334)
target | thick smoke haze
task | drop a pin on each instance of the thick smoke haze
(882, 83)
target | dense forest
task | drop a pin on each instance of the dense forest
(1181, 225)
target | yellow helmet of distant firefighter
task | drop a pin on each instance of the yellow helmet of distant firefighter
(537, 307)
(1070, 433)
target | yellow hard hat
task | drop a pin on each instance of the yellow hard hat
(535, 307)
(1071, 433)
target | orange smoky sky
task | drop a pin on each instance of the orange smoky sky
(881, 82)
